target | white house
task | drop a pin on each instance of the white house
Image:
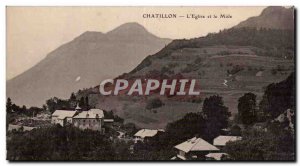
(12, 127)
(92, 119)
(62, 117)
(194, 148)
(221, 140)
(146, 134)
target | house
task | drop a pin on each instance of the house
(215, 156)
(194, 148)
(62, 117)
(92, 119)
(147, 134)
(221, 140)
(12, 127)
(28, 128)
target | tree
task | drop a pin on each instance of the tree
(216, 114)
(275, 143)
(9, 117)
(8, 105)
(24, 110)
(247, 108)
(130, 128)
(81, 102)
(44, 107)
(56, 103)
(33, 111)
(235, 130)
(191, 125)
(279, 97)
(73, 100)
(109, 114)
(87, 102)
(72, 97)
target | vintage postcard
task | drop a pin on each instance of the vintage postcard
(150, 83)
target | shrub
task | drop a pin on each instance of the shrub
(154, 103)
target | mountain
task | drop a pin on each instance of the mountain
(84, 62)
(271, 17)
(230, 63)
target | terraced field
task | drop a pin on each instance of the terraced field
(229, 71)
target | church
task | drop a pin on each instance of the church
(92, 119)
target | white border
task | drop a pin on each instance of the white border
(4, 3)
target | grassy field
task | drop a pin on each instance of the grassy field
(242, 69)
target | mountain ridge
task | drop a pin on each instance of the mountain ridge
(230, 63)
(90, 57)
(273, 17)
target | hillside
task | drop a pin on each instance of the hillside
(239, 67)
(229, 63)
(84, 62)
(273, 18)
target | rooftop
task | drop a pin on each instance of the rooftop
(92, 113)
(216, 156)
(62, 114)
(196, 144)
(222, 140)
(146, 133)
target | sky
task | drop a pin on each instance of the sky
(33, 32)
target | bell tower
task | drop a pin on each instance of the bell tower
(78, 109)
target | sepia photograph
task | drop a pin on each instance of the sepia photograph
(150, 83)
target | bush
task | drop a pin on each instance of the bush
(235, 130)
(154, 103)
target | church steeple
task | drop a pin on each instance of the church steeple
(78, 108)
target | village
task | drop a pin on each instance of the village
(209, 134)
(169, 91)
(194, 148)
